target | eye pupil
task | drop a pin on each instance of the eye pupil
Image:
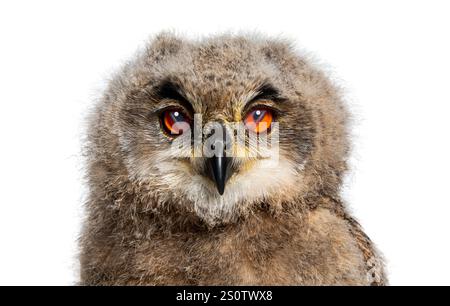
(258, 115)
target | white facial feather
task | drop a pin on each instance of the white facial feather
(243, 189)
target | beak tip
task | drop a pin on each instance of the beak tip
(221, 190)
(220, 184)
(219, 172)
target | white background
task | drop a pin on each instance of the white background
(393, 57)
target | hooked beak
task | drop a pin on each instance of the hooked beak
(219, 168)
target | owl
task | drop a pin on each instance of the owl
(219, 161)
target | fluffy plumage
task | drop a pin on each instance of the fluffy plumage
(154, 218)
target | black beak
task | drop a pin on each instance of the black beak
(219, 170)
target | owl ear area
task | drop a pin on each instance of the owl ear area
(163, 45)
(276, 49)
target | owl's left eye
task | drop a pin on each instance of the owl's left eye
(175, 122)
(259, 120)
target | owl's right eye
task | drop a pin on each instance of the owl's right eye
(175, 122)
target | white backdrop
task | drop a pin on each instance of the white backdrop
(392, 57)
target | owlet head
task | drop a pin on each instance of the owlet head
(221, 127)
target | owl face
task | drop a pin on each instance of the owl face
(219, 126)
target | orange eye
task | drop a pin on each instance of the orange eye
(175, 122)
(259, 120)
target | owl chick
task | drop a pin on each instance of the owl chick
(162, 211)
